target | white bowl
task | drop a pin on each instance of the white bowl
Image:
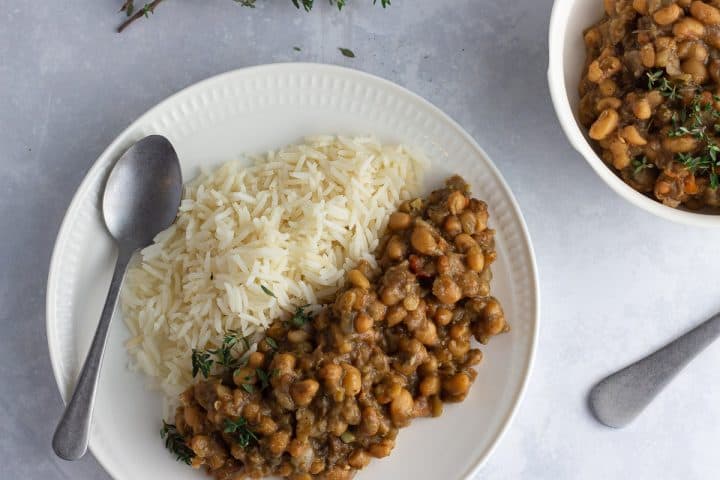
(566, 59)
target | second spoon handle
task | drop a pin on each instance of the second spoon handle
(71, 436)
(619, 398)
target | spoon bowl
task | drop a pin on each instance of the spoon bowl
(143, 191)
(141, 198)
(619, 398)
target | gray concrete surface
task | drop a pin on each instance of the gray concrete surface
(616, 282)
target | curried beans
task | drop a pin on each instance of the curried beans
(443, 316)
(457, 385)
(352, 380)
(605, 124)
(456, 202)
(680, 144)
(452, 225)
(631, 134)
(667, 15)
(465, 242)
(394, 249)
(641, 109)
(707, 14)
(649, 97)
(446, 290)
(399, 221)
(423, 241)
(363, 323)
(608, 103)
(357, 278)
(640, 6)
(359, 459)
(688, 28)
(401, 408)
(326, 395)
(303, 392)
(381, 449)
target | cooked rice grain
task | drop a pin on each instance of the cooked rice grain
(294, 221)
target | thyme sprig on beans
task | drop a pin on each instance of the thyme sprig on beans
(203, 360)
(176, 443)
(228, 358)
(300, 318)
(692, 121)
(640, 164)
(666, 87)
(201, 363)
(695, 125)
(240, 431)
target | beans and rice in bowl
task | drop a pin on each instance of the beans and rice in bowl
(304, 309)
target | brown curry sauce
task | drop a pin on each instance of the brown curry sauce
(321, 398)
(649, 96)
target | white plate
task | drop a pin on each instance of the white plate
(254, 110)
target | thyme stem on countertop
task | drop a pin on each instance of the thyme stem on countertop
(132, 14)
(129, 7)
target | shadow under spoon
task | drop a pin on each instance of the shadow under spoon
(619, 398)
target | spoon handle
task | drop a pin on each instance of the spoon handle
(71, 436)
(619, 398)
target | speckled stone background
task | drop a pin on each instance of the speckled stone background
(616, 282)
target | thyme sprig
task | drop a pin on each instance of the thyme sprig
(640, 164)
(201, 363)
(263, 377)
(693, 120)
(129, 8)
(706, 162)
(300, 318)
(223, 356)
(666, 87)
(176, 443)
(240, 431)
(267, 291)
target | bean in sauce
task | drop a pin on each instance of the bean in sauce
(323, 398)
(650, 97)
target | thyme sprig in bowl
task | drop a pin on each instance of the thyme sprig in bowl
(135, 11)
(696, 121)
(640, 94)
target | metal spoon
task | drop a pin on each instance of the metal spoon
(141, 199)
(622, 396)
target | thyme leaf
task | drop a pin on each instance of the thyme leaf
(176, 443)
(300, 318)
(241, 431)
(201, 363)
(267, 291)
(347, 52)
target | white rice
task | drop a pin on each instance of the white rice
(294, 221)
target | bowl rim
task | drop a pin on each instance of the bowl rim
(558, 93)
